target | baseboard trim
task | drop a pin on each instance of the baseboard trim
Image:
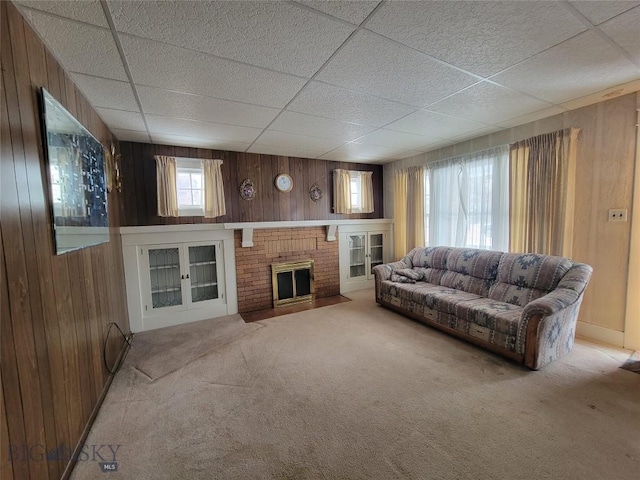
(94, 413)
(601, 334)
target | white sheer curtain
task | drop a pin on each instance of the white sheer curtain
(468, 200)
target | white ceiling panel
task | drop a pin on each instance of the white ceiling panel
(390, 138)
(216, 74)
(282, 139)
(121, 119)
(321, 127)
(488, 103)
(195, 142)
(131, 135)
(598, 12)
(333, 102)
(625, 31)
(104, 92)
(424, 122)
(578, 67)
(80, 47)
(285, 151)
(196, 107)
(217, 131)
(348, 10)
(481, 37)
(159, 65)
(277, 35)
(352, 152)
(375, 65)
(87, 11)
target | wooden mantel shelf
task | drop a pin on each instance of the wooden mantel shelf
(248, 227)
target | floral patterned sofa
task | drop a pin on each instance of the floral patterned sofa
(521, 305)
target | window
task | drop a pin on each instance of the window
(356, 191)
(190, 186)
(467, 201)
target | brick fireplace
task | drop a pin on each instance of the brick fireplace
(277, 245)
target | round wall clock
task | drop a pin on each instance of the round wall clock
(284, 182)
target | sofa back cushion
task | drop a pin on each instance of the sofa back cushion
(432, 262)
(471, 270)
(523, 277)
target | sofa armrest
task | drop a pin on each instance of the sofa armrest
(549, 323)
(383, 272)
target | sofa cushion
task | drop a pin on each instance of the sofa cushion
(523, 278)
(499, 316)
(471, 270)
(431, 262)
(413, 274)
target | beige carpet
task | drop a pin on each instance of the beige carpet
(354, 391)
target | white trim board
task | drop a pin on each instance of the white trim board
(601, 334)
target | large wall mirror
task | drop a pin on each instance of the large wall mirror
(77, 186)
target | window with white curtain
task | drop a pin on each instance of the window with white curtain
(467, 200)
(190, 186)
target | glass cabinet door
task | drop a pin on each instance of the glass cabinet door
(203, 272)
(357, 256)
(375, 249)
(164, 272)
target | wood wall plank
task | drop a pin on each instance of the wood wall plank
(55, 310)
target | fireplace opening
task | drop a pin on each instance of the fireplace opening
(292, 282)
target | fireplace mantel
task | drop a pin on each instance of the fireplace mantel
(248, 227)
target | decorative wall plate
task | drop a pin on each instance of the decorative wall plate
(315, 193)
(247, 190)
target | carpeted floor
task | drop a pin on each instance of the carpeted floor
(355, 391)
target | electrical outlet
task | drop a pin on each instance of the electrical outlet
(618, 215)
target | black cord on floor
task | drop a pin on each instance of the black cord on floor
(104, 349)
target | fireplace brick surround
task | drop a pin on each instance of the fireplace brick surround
(275, 245)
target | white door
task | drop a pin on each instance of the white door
(204, 274)
(162, 279)
(357, 256)
(375, 250)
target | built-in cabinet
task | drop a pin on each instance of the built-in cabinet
(361, 250)
(182, 276)
(178, 274)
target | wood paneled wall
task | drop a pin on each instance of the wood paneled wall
(139, 186)
(55, 309)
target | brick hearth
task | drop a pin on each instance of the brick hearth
(275, 245)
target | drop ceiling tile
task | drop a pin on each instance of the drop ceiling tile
(352, 152)
(277, 35)
(481, 37)
(192, 128)
(79, 47)
(598, 12)
(488, 103)
(341, 104)
(121, 120)
(390, 138)
(88, 11)
(131, 135)
(281, 139)
(104, 92)
(196, 142)
(405, 154)
(578, 67)
(424, 122)
(625, 31)
(303, 124)
(532, 117)
(476, 133)
(285, 151)
(160, 65)
(350, 11)
(375, 65)
(196, 107)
